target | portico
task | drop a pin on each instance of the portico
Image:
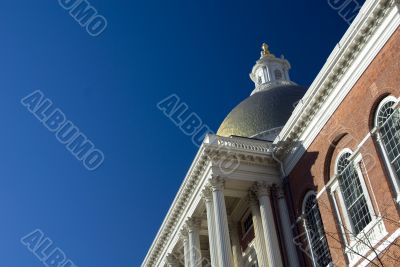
(229, 179)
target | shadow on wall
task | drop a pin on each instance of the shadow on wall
(297, 184)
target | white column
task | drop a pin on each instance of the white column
(186, 247)
(261, 249)
(193, 226)
(236, 248)
(172, 261)
(287, 230)
(221, 222)
(208, 199)
(267, 217)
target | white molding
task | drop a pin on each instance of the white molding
(309, 194)
(382, 247)
(356, 152)
(188, 197)
(355, 246)
(373, 234)
(337, 213)
(383, 102)
(339, 155)
(382, 150)
(326, 104)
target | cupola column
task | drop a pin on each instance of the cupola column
(269, 71)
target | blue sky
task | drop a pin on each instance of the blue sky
(109, 86)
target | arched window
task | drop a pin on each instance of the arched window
(315, 231)
(352, 190)
(278, 74)
(260, 76)
(387, 121)
(355, 213)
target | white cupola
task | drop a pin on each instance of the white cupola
(270, 71)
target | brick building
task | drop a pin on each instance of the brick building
(301, 177)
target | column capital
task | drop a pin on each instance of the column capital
(280, 192)
(262, 189)
(217, 183)
(193, 224)
(183, 235)
(171, 259)
(252, 198)
(206, 194)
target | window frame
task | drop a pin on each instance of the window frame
(278, 72)
(355, 160)
(305, 199)
(246, 215)
(355, 244)
(395, 180)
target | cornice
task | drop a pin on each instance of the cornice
(269, 85)
(257, 152)
(213, 147)
(341, 59)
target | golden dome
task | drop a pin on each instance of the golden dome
(263, 111)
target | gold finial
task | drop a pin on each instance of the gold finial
(265, 49)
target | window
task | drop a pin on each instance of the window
(387, 121)
(360, 226)
(353, 194)
(315, 231)
(248, 223)
(278, 74)
(260, 76)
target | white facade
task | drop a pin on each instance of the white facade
(228, 176)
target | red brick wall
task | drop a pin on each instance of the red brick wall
(348, 126)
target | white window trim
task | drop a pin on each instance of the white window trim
(245, 216)
(376, 228)
(306, 228)
(388, 165)
(250, 255)
(310, 193)
(277, 70)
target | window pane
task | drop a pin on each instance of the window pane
(316, 232)
(389, 129)
(278, 74)
(353, 194)
(248, 223)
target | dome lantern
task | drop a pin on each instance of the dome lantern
(263, 114)
(270, 71)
